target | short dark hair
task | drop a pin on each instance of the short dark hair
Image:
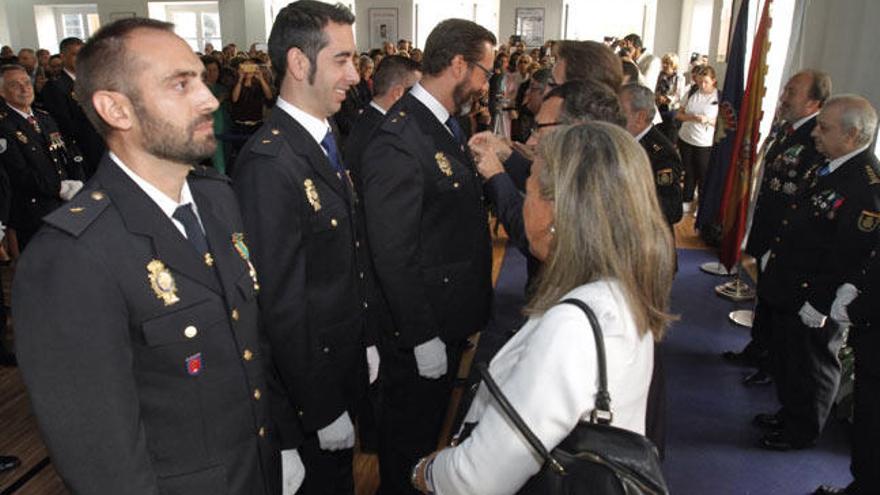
(301, 25)
(542, 76)
(635, 39)
(69, 43)
(104, 63)
(393, 70)
(586, 100)
(630, 70)
(454, 37)
(820, 88)
(208, 60)
(591, 60)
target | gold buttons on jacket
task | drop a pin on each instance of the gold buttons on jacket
(209, 260)
(333, 222)
(805, 285)
(247, 355)
(190, 332)
(235, 314)
(97, 195)
(262, 432)
(257, 394)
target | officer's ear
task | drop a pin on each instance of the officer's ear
(114, 108)
(459, 67)
(298, 64)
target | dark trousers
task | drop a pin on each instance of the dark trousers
(327, 472)
(865, 465)
(695, 160)
(655, 415)
(758, 349)
(806, 371)
(413, 411)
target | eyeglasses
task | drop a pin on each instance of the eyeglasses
(486, 71)
(533, 131)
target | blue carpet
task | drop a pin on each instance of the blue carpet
(711, 444)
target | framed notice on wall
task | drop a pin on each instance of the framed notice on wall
(383, 26)
(530, 25)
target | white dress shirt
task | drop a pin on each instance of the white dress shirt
(837, 162)
(163, 201)
(316, 127)
(548, 371)
(420, 93)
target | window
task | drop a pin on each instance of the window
(596, 19)
(56, 22)
(197, 23)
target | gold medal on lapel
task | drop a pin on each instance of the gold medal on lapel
(312, 194)
(21, 137)
(162, 282)
(245, 253)
(443, 163)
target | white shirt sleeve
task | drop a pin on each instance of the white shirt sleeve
(551, 386)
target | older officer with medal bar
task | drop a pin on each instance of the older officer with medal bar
(135, 305)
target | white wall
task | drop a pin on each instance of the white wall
(362, 20)
(552, 17)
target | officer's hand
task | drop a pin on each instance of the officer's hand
(491, 143)
(811, 317)
(764, 259)
(373, 363)
(69, 188)
(293, 472)
(846, 293)
(431, 358)
(337, 435)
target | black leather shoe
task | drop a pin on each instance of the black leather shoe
(757, 378)
(769, 421)
(831, 490)
(8, 462)
(777, 441)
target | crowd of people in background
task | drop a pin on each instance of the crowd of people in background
(480, 120)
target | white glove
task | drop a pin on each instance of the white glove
(2, 231)
(293, 472)
(811, 317)
(846, 293)
(431, 358)
(764, 259)
(373, 363)
(69, 188)
(337, 435)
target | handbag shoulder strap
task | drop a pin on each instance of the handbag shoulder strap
(601, 411)
(602, 408)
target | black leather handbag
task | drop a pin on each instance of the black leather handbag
(595, 458)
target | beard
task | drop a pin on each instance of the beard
(462, 95)
(168, 141)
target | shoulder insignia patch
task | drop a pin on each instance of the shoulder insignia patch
(869, 220)
(80, 212)
(664, 177)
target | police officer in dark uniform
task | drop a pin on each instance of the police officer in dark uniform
(44, 168)
(791, 154)
(60, 99)
(822, 240)
(135, 305)
(428, 229)
(301, 214)
(6, 358)
(638, 105)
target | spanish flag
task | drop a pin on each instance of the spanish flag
(738, 182)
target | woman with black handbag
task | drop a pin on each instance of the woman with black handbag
(591, 216)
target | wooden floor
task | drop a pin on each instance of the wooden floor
(19, 435)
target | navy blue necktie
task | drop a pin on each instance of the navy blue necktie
(185, 215)
(454, 126)
(824, 170)
(329, 145)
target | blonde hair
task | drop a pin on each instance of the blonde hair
(672, 58)
(607, 220)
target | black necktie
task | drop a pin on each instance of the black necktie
(453, 126)
(184, 214)
(329, 145)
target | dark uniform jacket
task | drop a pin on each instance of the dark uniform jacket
(361, 131)
(5, 195)
(864, 313)
(36, 162)
(427, 226)
(142, 359)
(301, 218)
(785, 166)
(825, 235)
(59, 98)
(668, 171)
